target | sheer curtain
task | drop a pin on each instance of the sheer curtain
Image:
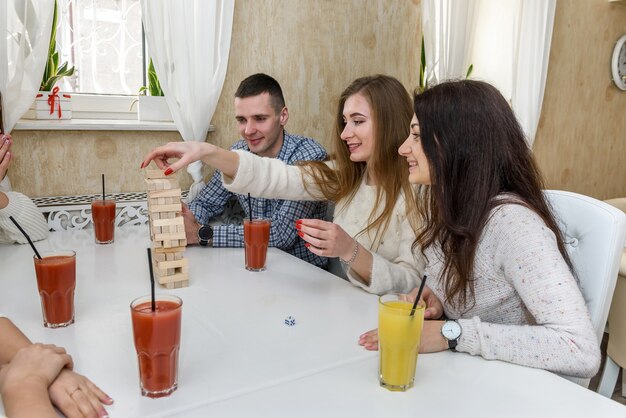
(189, 42)
(507, 42)
(25, 27)
(530, 65)
(447, 27)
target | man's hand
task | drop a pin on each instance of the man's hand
(191, 226)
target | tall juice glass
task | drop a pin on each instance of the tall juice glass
(103, 216)
(157, 341)
(256, 236)
(399, 335)
(56, 281)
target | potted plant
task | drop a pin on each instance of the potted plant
(49, 103)
(153, 107)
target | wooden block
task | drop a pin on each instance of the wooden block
(159, 257)
(172, 264)
(155, 174)
(166, 193)
(177, 220)
(176, 207)
(173, 278)
(171, 250)
(164, 236)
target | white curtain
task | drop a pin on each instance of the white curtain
(507, 42)
(189, 43)
(447, 28)
(25, 27)
(530, 65)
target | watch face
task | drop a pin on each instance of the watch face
(451, 330)
(205, 232)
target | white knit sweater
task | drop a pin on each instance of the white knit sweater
(529, 309)
(26, 214)
(394, 267)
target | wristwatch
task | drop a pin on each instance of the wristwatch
(205, 235)
(451, 331)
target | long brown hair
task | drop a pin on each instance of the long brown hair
(391, 113)
(479, 159)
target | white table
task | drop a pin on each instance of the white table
(239, 359)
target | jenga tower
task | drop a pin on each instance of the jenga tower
(167, 230)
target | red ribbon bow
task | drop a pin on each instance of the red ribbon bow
(52, 97)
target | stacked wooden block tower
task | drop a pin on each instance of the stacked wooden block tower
(167, 230)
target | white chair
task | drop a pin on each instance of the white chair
(594, 234)
(616, 348)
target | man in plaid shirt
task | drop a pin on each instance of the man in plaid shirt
(261, 115)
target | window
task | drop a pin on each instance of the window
(103, 40)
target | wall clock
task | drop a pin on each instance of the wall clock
(618, 63)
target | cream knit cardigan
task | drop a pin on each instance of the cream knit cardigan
(394, 266)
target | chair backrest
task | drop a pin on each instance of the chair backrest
(594, 234)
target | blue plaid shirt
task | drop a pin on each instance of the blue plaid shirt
(283, 213)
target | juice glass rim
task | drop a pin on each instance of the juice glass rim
(160, 296)
(53, 253)
(99, 199)
(398, 297)
(257, 220)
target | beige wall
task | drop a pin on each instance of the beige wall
(313, 47)
(581, 140)
(316, 47)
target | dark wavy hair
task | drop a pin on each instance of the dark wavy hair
(479, 159)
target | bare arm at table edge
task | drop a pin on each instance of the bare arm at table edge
(12, 340)
(188, 152)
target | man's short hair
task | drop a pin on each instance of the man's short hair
(262, 83)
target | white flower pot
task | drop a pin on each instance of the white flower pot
(154, 108)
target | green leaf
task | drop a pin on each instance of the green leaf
(62, 68)
(53, 73)
(423, 83)
(469, 71)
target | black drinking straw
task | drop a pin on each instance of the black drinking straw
(419, 295)
(102, 187)
(30, 241)
(250, 206)
(151, 279)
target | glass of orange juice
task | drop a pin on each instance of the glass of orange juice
(399, 335)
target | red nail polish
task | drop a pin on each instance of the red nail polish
(307, 245)
(141, 166)
(168, 171)
(301, 234)
(298, 221)
(298, 226)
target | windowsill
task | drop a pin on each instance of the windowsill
(95, 125)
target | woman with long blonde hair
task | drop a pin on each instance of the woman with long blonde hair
(370, 233)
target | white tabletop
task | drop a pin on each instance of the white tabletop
(238, 358)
